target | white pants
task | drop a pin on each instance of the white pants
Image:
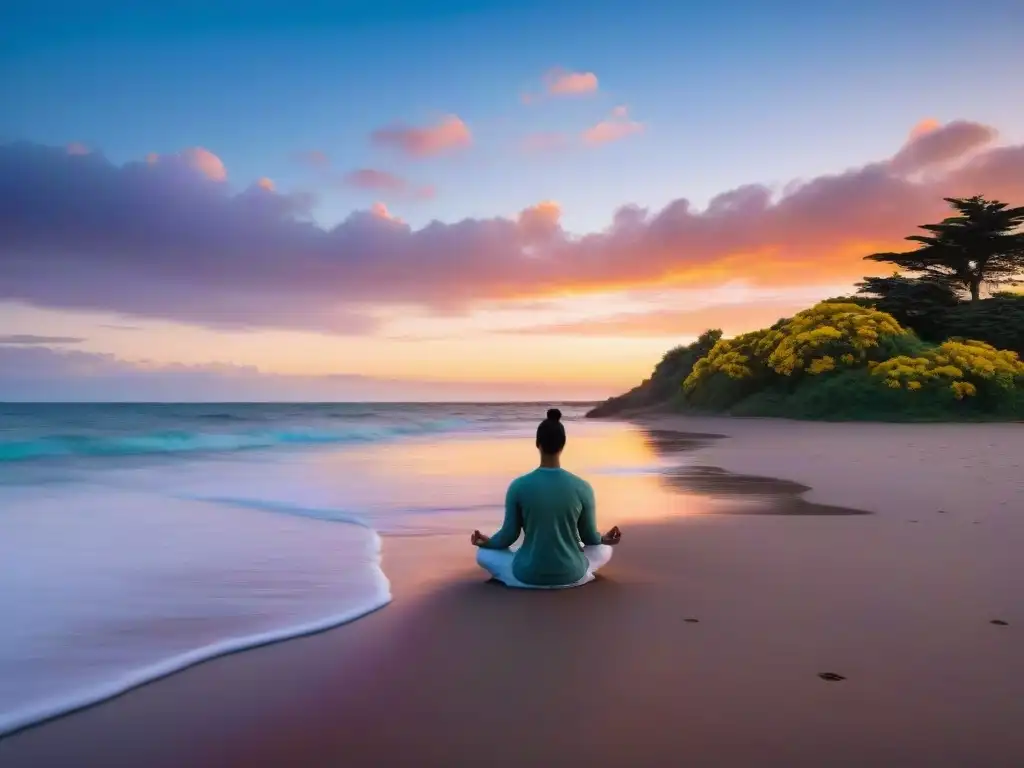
(498, 563)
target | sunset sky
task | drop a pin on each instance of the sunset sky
(464, 200)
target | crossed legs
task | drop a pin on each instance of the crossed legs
(498, 563)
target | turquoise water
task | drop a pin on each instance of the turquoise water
(38, 431)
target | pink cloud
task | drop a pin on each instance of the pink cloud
(545, 142)
(927, 125)
(161, 240)
(377, 181)
(449, 134)
(265, 183)
(373, 180)
(616, 127)
(77, 148)
(204, 161)
(312, 158)
(540, 222)
(196, 158)
(931, 144)
(560, 82)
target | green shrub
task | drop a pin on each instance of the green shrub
(843, 361)
(998, 321)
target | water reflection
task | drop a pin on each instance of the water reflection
(454, 484)
(749, 494)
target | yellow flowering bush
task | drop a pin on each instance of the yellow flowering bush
(822, 365)
(828, 362)
(816, 340)
(733, 357)
(849, 331)
(963, 366)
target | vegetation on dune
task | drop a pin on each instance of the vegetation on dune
(845, 361)
(919, 347)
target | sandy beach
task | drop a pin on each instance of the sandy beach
(704, 644)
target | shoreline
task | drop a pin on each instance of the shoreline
(901, 611)
(144, 676)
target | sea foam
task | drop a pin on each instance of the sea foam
(121, 589)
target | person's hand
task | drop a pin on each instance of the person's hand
(478, 539)
(613, 537)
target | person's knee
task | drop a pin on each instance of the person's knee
(598, 555)
(491, 558)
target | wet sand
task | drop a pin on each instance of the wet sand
(711, 640)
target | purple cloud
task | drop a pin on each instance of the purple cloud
(31, 339)
(384, 182)
(165, 240)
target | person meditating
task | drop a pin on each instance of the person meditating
(555, 510)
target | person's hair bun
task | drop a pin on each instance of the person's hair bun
(554, 414)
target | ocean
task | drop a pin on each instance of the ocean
(138, 539)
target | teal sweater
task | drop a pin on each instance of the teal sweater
(555, 510)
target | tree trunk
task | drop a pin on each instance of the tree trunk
(975, 288)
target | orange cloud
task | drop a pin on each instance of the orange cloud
(265, 183)
(559, 82)
(927, 125)
(731, 318)
(617, 126)
(449, 134)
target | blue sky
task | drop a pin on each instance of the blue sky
(722, 96)
(715, 84)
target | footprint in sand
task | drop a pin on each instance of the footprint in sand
(832, 677)
(999, 623)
